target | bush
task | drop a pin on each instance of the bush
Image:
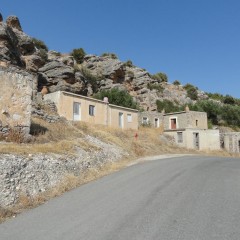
(117, 97)
(89, 76)
(168, 106)
(78, 54)
(176, 82)
(162, 77)
(192, 92)
(39, 44)
(128, 63)
(156, 86)
(111, 55)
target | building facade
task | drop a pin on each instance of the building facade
(151, 119)
(190, 130)
(76, 107)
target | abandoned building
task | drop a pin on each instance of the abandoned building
(15, 100)
(76, 107)
(151, 119)
(231, 142)
(190, 129)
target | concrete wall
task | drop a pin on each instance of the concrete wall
(104, 113)
(189, 119)
(16, 100)
(208, 139)
(151, 117)
(231, 142)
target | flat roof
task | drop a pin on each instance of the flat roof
(174, 113)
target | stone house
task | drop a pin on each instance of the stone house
(231, 141)
(76, 107)
(152, 119)
(15, 100)
(190, 129)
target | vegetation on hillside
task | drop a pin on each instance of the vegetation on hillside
(160, 76)
(118, 97)
(219, 114)
(78, 54)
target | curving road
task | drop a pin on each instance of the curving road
(185, 198)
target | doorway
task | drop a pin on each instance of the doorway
(196, 140)
(120, 117)
(76, 111)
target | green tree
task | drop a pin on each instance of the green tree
(78, 54)
(117, 97)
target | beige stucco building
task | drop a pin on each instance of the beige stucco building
(76, 107)
(190, 129)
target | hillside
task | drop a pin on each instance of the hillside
(87, 74)
(60, 155)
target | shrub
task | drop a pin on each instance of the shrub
(192, 92)
(176, 82)
(78, 54)
(156, 86)
(117, 97)
(89, 76)
(128, 63)
(168, 106)
(39, 44)
(162, 77)
(111, 55)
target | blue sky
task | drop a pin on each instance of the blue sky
(193, 41)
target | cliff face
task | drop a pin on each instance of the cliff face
(60, 72)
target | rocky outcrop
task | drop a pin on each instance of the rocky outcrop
(60, 72)
(13, 22)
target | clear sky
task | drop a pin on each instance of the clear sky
(193, 41)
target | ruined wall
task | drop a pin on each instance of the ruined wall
(16, 99)
(231, 141)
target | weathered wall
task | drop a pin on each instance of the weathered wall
(208, 139)
(187, 120)
(231, 142)
(36, 173)
(151, 118)
(16, 99)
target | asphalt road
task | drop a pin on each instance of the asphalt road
(186, 198)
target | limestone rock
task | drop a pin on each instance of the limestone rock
(13, 22)
(56, 71)
(33, 62)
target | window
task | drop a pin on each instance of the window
(173, 123)
(144, 120)
(179, 137)
(91, 110)
(196, 122)
(129, 118)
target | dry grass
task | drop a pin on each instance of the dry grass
(65, 137)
